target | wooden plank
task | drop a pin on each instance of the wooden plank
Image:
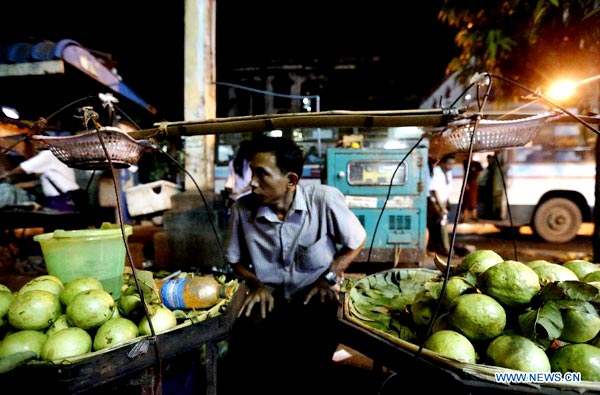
(32, 68)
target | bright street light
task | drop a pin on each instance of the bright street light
(10, 112)
(562, 90)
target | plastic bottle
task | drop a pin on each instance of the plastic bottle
(197, 292)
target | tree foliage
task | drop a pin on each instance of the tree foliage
(532, 42)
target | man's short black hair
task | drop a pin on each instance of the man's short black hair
(447, 157)
(288, 155)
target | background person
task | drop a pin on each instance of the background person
(58, 181)
(282, 241)
(239, 173)
(312, 156)
(471, 194)
(437, 206)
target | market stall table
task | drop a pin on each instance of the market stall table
(427, 375)
(114, 366)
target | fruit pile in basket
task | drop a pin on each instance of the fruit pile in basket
(55, 322)
(538, 316)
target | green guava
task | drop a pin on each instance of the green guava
(517, 352)
(579, 357)
(452, 344)
(162, 320)
(455, 287)
(537, 262)
(592, 277)
(45, 283)
(479, 261)
(581, 268)
(50, 277)
(477, 316)
(422, 312)
(90, 309)
(131, 306)
(66, 343)
(551, 272)
(114, 332)
(61, 322)
(25, 340)
(512, 283)
(77, 285)
(579, 326)
(35, 310)
(6, 298)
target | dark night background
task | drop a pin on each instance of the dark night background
(403, 49)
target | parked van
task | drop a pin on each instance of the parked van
(549, 183)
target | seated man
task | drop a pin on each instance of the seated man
(291, 244)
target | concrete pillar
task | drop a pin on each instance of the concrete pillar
(200, 88)
(189, 233)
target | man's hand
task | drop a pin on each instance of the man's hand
(325, 291)
(260, 295)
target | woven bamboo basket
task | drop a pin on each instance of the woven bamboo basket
(478, 371)
(490, 135)
(86, 150)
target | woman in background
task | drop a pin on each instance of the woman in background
(239, 174)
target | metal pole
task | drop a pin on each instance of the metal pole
(318, 109)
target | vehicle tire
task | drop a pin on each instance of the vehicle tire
(556, 220)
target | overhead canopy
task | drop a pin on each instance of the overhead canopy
(31, 66)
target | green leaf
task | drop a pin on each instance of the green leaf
(378, 325)
(544, 323)
(400, 301)
(551, 320)
(579, 305)
(365, 312)
(215, 310)
(380, 300)
(197, 315)
(403, 332)
(372, 293)
(434, 290)
(389, 290)
(527, 323)
(570, 290)
(12, 361)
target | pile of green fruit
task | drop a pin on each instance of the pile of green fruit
(49, 321)
(537, 316)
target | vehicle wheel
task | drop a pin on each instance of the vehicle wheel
(557, 220)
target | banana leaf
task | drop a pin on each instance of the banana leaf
(377, 298)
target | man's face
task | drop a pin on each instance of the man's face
(268, 183)
(448, 165)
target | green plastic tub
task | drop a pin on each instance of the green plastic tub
(98, 253)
